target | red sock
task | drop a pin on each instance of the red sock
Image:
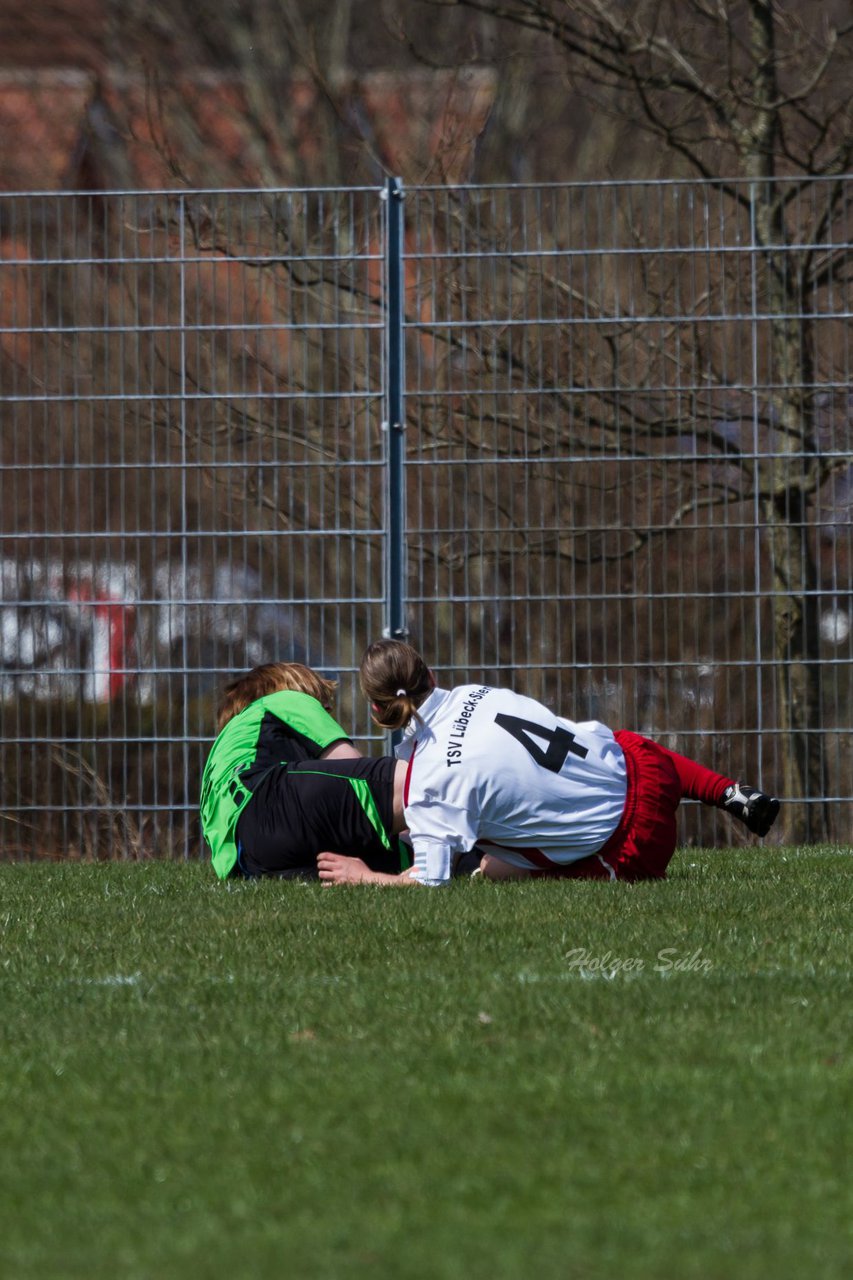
(697, 782)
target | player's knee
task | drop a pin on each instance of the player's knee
(497, 869)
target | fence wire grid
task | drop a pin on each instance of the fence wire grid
(592, 441)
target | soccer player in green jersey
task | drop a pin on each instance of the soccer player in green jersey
(283, 781)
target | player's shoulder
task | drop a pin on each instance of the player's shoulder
(521, 702)
(470, 692)
(290, 698)
(444, 704)
(292, 704)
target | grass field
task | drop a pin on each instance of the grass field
(492, 1081)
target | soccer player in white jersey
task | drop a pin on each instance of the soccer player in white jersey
(536, 793)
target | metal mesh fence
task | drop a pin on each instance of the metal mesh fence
(629, 418)
(191, 483)
(627, 475)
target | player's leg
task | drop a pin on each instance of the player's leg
(754, 808)
(696, 781)
(493, 867)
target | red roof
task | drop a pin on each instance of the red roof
(61, 129)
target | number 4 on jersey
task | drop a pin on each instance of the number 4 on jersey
(561, 742)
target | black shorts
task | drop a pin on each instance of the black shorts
(316, 806)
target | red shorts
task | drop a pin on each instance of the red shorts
(644, 841)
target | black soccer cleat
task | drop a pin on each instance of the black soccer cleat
(757, 810)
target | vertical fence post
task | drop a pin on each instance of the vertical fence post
(395, 532)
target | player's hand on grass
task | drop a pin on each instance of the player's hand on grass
(336, 868)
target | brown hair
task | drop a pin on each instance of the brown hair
(272, 677)
(395, 680)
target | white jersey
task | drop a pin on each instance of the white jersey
(491, 767)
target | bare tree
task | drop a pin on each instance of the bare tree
(267, 64)
(754, 90)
